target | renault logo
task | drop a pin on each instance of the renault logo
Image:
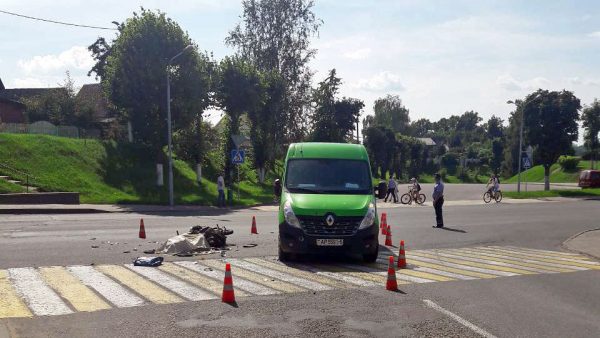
(330, 220)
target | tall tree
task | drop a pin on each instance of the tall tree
(551, 125)
(390, 112)
(238, 91)
(591, 123)
(332, 119)
(275, 35)
(421, 128)
(133, 70)
(494, 127)
(263, 120)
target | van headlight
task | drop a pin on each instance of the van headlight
(369, 217)
(289, 215)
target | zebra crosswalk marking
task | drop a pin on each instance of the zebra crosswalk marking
(11, 305)
(254, 277)
(298, 273)
(515, 260)
(69, 288)
(55, 290)
(142, 286)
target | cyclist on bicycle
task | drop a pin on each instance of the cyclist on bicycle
(416, 188)
(493, 185)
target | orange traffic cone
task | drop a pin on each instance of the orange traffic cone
(401, 256)
(228, 295)
(142, 229)
(391, 284)
(383, 224)
(253, 230)
(388, 236)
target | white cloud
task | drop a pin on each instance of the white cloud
(586, 82)
(594, 34)
(358, 54)
(508, 82)
(383, 81)
(76, 58)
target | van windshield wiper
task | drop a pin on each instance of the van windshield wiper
(307, 190)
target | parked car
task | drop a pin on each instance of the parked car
(589, 179)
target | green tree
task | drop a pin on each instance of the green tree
(551, 125)
(275, 36)
(591, 123)
(238, 91)
(390, 112)
(133, 69)
(332, 119)
(264, 119)
(494, 127)
(497, 155)
(421, 128)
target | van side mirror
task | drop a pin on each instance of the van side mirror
(381, 190)
(277, 187)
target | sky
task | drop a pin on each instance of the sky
(441, 57)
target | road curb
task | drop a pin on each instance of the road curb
(565, 245)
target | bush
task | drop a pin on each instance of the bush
(450, 162)
(569, 163)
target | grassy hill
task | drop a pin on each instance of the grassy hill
(108, 172)
(557, 175)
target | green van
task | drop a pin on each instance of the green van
(327, 201)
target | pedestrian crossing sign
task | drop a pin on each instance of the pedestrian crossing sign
(526, 162)
(238, 156)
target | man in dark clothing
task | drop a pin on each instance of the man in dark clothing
(438, 200)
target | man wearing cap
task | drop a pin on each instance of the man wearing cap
(438, 200)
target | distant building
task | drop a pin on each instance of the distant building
(428, 141)
(92, 95)
(11, 111)
(12, 107)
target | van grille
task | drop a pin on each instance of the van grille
(343, 226)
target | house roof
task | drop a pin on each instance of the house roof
(18, 94)
(427, 140)
(13, 102)
(1, 85)
(92, 95)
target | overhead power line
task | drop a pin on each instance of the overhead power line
(56, 22)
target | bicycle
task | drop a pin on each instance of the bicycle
(489, 195)
(408, 198)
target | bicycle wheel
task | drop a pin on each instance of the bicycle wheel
(405, 199)
(487, 197)
(421, 199)
(498, 196)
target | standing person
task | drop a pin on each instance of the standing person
(438, 200)
(221, 191)
(392, 185)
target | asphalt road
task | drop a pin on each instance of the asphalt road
(531, 305)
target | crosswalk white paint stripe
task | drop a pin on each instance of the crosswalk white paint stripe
(109, 289)
(305, 283)
(449, 254)
(40, 298)
(516, 248)
(171, 283)
(243, 284)
(565, 260)
(465, 267)
(434, 271)
(524, 260)
(336, 275)
(411, 279)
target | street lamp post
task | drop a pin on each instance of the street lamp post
(169, 129)
(520, 159)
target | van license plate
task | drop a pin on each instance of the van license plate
(330, 242)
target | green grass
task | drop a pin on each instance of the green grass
(7, 187)
(109, 172)
(553, 193)
(557, 175)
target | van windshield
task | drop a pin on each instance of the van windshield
(328, 176)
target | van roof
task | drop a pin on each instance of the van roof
(327, 150)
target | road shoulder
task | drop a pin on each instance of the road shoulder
(586, 242)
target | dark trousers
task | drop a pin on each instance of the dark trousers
(391, 191)
(221, 199)
(437, 205)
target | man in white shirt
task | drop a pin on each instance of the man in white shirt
(221, 191)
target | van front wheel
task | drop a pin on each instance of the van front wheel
(284, 256)
(371, 257)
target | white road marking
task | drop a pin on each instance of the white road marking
(40, 298)
(465, 267)
(243, 284)
(305, 283)
(433, 271)
(399, 275)
(491, 262)
(335, 275)
(533, 255)
(171, 283)
(459, 319)
(496, 254)
(105, 286)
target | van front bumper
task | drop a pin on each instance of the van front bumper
(296, 241)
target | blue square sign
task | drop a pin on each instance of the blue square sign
(238, 156)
